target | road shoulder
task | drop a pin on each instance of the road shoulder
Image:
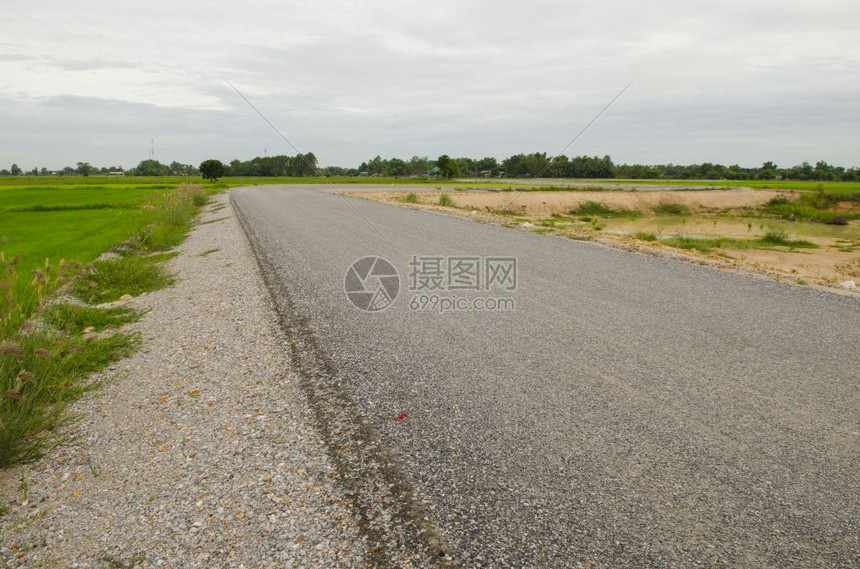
(198, 451)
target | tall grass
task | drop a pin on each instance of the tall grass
(592, 208)
(45, 355)
(175, 212)
(109, 279)
(820, 205)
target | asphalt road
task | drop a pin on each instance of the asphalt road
(631, 411)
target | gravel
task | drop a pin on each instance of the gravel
(199, 451)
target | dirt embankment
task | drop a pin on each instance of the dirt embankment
(837, 258)
(544, 204)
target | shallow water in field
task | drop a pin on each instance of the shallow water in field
(729, 227)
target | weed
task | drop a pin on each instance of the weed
(781, 239)
(446, 200)
(642, 236)
(208, 252)
(74, 319)
(107, 280)
(802, 282)
(592, 208)
(670, 209)
(411, 197)
(704, 245)
(165, 237)
(111, 562)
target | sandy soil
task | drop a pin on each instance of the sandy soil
(825, 267)
(545, 204)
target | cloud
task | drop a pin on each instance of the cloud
(731, 82)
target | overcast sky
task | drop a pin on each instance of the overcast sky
(729, 81)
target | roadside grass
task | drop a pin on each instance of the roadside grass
(597, 209)
(670, 208)
(411, 197)
(107, 280)
(76, 319)
(446, 200)
(819, 205)
(39, 376)
(707, 245)
(46, 353)
(644, 236)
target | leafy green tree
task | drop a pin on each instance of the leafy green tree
(15, 170)
(84, 169)
(212, 169)
(151, 168)
(448, 167)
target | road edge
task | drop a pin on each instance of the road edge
(395, 524)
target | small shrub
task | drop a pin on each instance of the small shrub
(642, 236)
(670, 209)
(592, 208)
(446, 200)
(411, 197)
(781, 239)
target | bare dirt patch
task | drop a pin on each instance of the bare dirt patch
(542, 204)
(836, 260)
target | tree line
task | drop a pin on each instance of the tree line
(540, 164)
(517, 166)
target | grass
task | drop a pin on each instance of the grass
(707, 245)
(819, 205)
(411, 197)
(39, 376)
(446, 200)
(781, 239)
(643, 236)
(45, 356)
(75, 319)
(670, 209)
(109, 279)
(597, 209)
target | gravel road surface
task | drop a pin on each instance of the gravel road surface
(200, 451)
(631, 411)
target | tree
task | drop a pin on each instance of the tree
(211, 169)
(151, 168)
(448, 167)
(84, 168)
(15, 170)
